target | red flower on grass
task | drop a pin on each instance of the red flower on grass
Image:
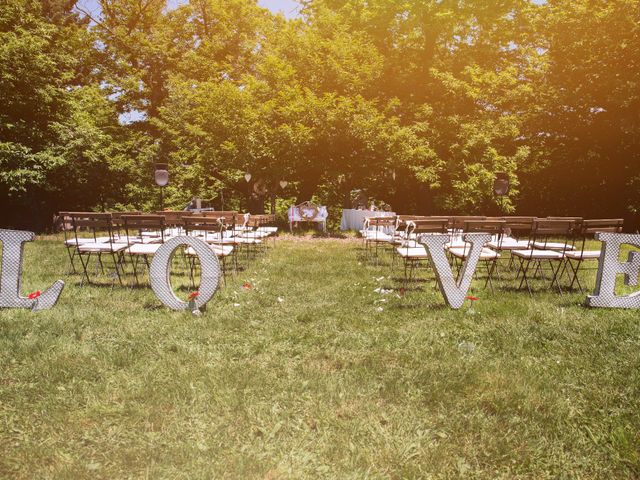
(473, 299)
(193, 295)
(34, 295)
(246, 286)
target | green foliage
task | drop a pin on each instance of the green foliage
(420, 103)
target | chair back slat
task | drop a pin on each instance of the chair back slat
(143, 222)
(91, 220)
(548, 227)
(202, 223)
(381, 221)
(495, 227)
(520, 225)
(457, 221)
(565, 218)
(174, 218)
(136, 225)
(228, 214)
(612, 225)
(428, 225)
(116, 217)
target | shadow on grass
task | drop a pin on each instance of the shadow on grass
(335, 235)
(412, 305)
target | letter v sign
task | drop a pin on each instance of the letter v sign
(454, 291)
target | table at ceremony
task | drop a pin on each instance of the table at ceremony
(353, 219)
(308, 212)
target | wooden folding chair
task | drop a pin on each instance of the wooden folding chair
(118, 225)
(456, 227)
(560, 245)
(587, 229)
(544, 235)
(411, 251)
(173, 221)
(137, 228)
(265, 227)
(516, 236)
(488, 256)
(378, 231)
(211, 230)
(95, 224)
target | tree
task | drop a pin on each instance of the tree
(587, 130)
(43, 59)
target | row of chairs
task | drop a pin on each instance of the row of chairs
(530, 242)
(139, 236)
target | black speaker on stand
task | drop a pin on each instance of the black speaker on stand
(161, 176)
(501, 184)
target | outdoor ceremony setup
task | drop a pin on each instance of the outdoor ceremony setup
(319, 239)
(551, 247)
(134, 234)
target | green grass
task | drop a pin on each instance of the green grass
(319, 385)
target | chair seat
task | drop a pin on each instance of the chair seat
(552, 246)
(222, 241)
(378, 237)
(583, 255)
(456, 243)
(509, 243)
(254, 234)
(413, 252)
(462, 252)
(131, 240)
(224, 245)
(538, 254)
(83, 241)
(219, 250)
(243, 241)
(144, 248)
(410, 244)
(105, 247)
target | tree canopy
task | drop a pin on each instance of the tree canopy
(421, 103)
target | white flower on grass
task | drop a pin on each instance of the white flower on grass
(379, 309)
(280, 299)
(382, 291)
(467, 347)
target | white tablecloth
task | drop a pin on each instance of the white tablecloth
(353, 219)
(295, 215)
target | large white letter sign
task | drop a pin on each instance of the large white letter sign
(11, 277)
(610, 267)
(454, 291)
(161, 265)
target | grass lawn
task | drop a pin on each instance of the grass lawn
(313, 374)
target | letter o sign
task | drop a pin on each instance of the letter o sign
(160, 271)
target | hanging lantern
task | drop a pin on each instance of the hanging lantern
(247, 177)
(161, 175)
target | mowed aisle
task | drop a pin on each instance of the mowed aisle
(310, 365)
